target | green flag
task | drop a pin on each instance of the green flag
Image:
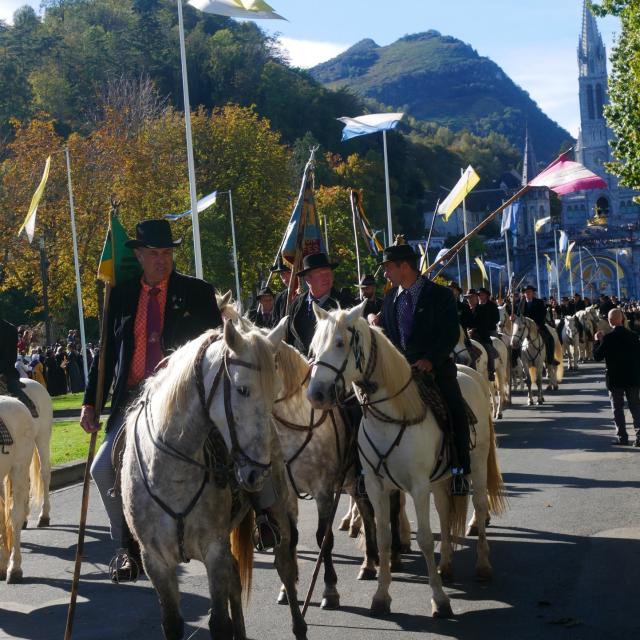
(117, 263)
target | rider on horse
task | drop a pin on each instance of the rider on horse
(8, 371)
(534, 308)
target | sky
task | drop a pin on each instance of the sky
(535, 42)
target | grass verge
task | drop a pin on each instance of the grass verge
(69, 442)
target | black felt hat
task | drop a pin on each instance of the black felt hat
(155, 234)
(529, 287)
(280, 266)
(265, 291)
(484, 290)
(367, 280)
(316, 261)
(398, 252)
(470, 292)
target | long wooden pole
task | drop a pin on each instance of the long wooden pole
(87, 470)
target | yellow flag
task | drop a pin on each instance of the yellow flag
(549, 266)
(480, 264)
(567, 260)
(540, 223)
(29, 224)
(462, 189)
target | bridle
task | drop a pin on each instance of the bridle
(222, 460)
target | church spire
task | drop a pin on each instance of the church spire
(529, 162)
(591, 52)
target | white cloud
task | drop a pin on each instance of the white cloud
(308, 53)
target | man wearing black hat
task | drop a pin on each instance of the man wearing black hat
(280, 302)
(421, 319)
(148, 318)
(481, 322)
(318, 274)
(263, 315)
(534, 308)
(367, 286)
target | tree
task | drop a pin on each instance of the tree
(623, 111)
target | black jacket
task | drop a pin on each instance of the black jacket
(263, 320)
(483, 320)
(190, 310)
(302, 321)
(374, 305)
(435, 328)
(620, 349)
(537, 311)
(8, 350)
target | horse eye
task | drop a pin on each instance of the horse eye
(243, 391)
(340, 344)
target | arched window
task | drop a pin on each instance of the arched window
(590, 106)
(599, 101)
(541, 211)
(602, 206)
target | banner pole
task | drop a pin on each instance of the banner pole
(355, 236)
(386, 182)
(581, 272)
(235, 255)
(535, 245)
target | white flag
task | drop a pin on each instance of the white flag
(201, 205)
(540, 223)
(253, 9)
(441, 254)
(564, 241)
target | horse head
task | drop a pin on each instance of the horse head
(339, 342)
(518, 329)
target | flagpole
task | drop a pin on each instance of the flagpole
(326, 232)
(466, 246)
(570, 277)
(433, 219)
(581, 272)
(235, 254)
(490, 282)
(459, 272)
(355, 235)
(506, 250)
(535, 245)
(386, 181)
(617, 274)
(74, 238)
(555, 243)
(197, 252)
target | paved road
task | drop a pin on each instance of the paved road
(566, 556)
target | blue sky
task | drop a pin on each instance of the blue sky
(535, 41)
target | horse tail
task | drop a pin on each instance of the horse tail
(459, 505)
(242, 550)
(5, 513)
(37, 484)
(558, 356)
(495, 484)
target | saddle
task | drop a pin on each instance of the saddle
(18, 394)
(117, 455)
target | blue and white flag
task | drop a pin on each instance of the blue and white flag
(510, 217)
(441, 254)
(202, 204)
(564, 242)
(494, 265)
(371, 123)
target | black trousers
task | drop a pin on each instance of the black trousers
(549, 343)
(446, 378)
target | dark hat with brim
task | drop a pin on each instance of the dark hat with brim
(367, 281)
(484, 290)
(280, 266)
(529, 287)
(265, 291)
(398, 252)
(470, 292)
(155, 234)
(316, 261)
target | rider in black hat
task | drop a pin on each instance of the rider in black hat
(280, 302)
(534, 308)
(263, 314)
(367, 286)
(421, 319)
(481, 323)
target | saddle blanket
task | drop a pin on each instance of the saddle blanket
(5, 437)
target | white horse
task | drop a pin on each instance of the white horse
(43, 425)
(16, 462)
(589, 323)
(570, 341)
(199, 444)
(400, 443)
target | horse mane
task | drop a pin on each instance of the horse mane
(392, 372)
(293, 367)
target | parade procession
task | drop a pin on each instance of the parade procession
(299, 335)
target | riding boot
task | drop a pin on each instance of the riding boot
(126, 565)
(266, 534)
(515, 354)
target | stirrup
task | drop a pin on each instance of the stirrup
(459, 483)
(266, 534)
(124, 567)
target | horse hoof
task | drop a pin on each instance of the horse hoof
(15, 577)
(472, 530)
(499, 416)
(483, 574)
(44, 522)
(405, 548)
(283, 598)
(25, 524)
(330, 602)
(530, 403)
(3, 575)
(446, 573)
(442, 611)
(354, 532)
(540, 400)
(367, 574)
(344, 525)
(555, 387)
(380, 608)
(397, 566)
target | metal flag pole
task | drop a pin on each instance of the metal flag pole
(581, 272)
(433, 219)
(235, 254)
(197, 252)
(459, 272)
(466, 245)
(535, 246)
(617, 274)
(570, 277)
(76, 265)
(326, 233)
(506, 249)
(355, 235)
(490, 281)
(555, 243)
(386, 181)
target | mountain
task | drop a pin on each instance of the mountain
(440, 79)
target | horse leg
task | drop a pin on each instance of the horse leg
(539, 384)
(235, 602)
(293, 543)
(222, 581)
(44, 451)
(440, 604)
(330, 595)
(346, 520)
(19, 485)
(480, 499)
(165, 582)
(405, 525)
(529, 382)
(287, 568)
(396, 545)
(368, 568)
(381, 602)
(355, 524)
(442, 499)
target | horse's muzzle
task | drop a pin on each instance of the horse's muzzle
(322, 397)
(251, 478)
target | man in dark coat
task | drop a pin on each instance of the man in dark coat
(605, 305)
(263, 315)
(8, 371)
(481, 323)
(534, 308)
(280, 302)
(148, 318)
(367, 286)
(620, 349)
(421, 319)
(317, 271)
(578, 302)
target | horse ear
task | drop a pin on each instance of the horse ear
(319, 312)
(277, 334)
(232, 337)
(225, 299)
(356, 312)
